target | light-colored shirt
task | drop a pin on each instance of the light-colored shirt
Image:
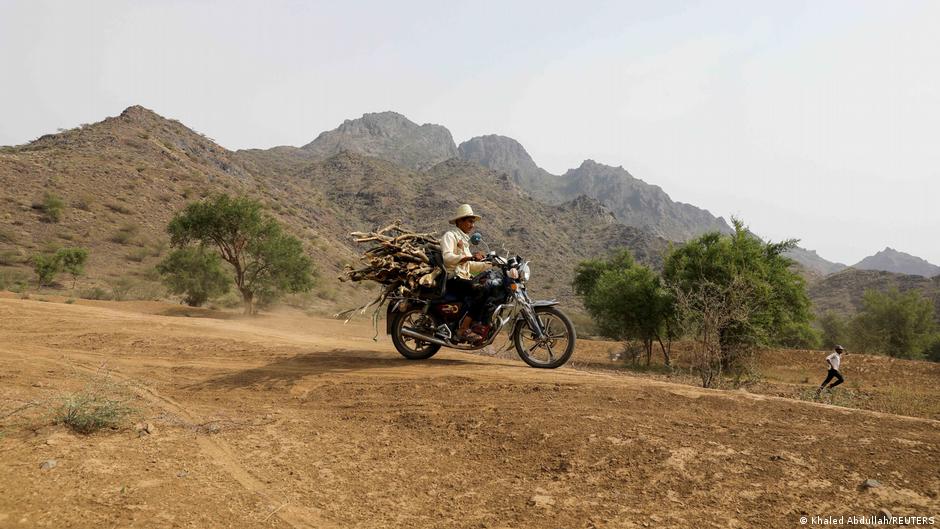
(835, 359)
(455, 245)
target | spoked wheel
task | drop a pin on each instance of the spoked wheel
(411, 348)
(554, 348)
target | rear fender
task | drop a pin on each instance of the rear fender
(395, 306)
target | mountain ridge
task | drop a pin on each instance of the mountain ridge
(891, 260)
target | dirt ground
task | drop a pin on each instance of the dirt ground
(294, 421)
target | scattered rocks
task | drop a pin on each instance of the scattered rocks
(777, 457)
(182, 474)
(870, 484)
(145, 428)
(542, 501)
(48, 464)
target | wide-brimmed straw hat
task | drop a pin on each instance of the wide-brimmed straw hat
(462, 212)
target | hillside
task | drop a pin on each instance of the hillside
(122, 180)
(811, 261)
(842, 292)
(891, 260)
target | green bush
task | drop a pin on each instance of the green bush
(52, 206)
(121, 288)
(13, 280)
(628, 302)
(73, 261)
(101, 404)
(126, 234)
(47, 267)
(194, 273)
(96, 293)
(895, 323)
(10, 258)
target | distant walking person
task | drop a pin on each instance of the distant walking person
(834, 360)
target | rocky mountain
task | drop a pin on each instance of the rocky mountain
(122, 179)
(637, 203)
(891, 260)
(633, 201)
(389, 136)
(813, 263)
(505, 154)
(842, 292)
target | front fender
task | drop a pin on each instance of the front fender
(544, 303)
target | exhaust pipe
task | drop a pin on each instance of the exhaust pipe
(437, 341)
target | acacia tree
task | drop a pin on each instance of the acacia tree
(628, 302)
(265, 260)
(73, 261)
(776, 306)
(895, 323)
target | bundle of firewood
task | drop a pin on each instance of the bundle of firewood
(398, 259)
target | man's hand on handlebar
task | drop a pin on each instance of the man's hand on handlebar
(475, 257)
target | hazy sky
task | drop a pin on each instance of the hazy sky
(818, 120)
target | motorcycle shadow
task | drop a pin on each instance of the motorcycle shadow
(288, 370)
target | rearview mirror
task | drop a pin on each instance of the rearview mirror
(476, 238)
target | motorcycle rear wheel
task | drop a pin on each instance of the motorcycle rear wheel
(411, 348)
(541, 353)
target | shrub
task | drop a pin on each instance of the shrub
(121, 288)
(96, 293)
(194, 273)
(125, 234)
(47, 267)
(101, 404)
(73, 261)
(10, 258)
(119, 208)
(52, 206)
(895, 323)
(83, 202)
(13, 280)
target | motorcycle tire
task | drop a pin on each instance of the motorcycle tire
(406, 346)
(522, 332)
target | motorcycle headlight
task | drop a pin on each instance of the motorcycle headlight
(524, 272)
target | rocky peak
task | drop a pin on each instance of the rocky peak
(891, 260)
(389, 136)
(504, 154)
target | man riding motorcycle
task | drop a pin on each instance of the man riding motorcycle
(460, 265)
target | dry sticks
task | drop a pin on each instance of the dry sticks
(398, 261)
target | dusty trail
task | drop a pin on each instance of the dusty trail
(303, 422)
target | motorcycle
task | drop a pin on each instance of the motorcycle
(422, 323)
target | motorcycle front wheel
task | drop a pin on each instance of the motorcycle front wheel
(556, 345)
(409, 347)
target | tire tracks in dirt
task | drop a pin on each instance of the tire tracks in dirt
(221, 454)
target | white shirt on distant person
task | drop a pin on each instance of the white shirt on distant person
(835, 359)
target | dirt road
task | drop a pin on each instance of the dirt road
(293, 421)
